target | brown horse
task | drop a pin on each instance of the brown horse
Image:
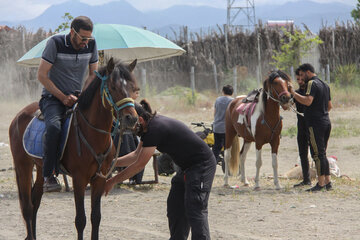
(88, 147)
(263, 125)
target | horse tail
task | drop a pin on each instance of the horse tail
(234, 157)
(232, 147)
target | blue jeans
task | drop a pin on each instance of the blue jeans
(53, 111)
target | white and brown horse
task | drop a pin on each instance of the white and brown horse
(258, 122)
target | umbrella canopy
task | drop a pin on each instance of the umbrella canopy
(120, 41)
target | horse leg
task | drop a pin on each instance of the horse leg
(97, 189)
(36, 195)
(79, 192)
(274, 150)
(23, 172)
(227, 156)
(275, 169)
(258, 166)
(243, 153)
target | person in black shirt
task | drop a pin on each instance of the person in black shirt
(302, 133)
(187, 203)
(318, 104)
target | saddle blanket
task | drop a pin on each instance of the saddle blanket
(245, 111)
(34, 137)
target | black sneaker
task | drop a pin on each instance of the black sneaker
(316, 188)
(303, 183)
(51, 184)
(328, 186)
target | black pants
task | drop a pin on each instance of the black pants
(187, 203)
(219, 143)
(319, 135)
(303, 146)
(53, 111)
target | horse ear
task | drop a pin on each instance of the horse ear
(132, 65)
(110, 66)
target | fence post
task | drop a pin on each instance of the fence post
(215, 79)
(328, 73)
(259, 57)
(192, 82)
(235, 81)
(292, 73)
(143, 81)
(323, 76)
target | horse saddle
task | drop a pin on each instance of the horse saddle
(253, 96)
(33, 139)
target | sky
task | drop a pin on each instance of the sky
(18, 10)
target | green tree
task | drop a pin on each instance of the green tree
(66, 24)
(294, 46)
(355, 13)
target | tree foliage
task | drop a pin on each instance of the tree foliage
(355, 13)
(294, 46)
(66, 24)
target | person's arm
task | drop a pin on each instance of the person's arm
(330, 106)
(304, 100)
(43, 72)
(92, 68)
(138, 159)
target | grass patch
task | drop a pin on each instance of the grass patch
(289, 132)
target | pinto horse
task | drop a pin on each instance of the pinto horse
(262, 125)
(89, 150)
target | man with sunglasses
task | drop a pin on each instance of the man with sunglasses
(62, 70)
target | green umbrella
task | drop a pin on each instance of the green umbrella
(120, 41)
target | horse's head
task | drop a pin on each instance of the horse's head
(118, 83)
(276, 88)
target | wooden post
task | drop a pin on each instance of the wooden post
(192, 81)
(215, 79)
(259, 57)
(143, 82)
(235, 81)
(328, 73)
(323, 76)
(292, 73)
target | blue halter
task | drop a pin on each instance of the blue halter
(104, 92)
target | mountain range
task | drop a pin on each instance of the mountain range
(314, 15)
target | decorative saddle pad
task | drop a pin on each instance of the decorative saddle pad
(33, 137)
(246, 110)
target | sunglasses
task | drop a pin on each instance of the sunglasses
(83, 39)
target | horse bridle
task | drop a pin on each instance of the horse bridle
(115, 107)
(278, 95)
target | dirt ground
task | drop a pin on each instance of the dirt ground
(139, 212)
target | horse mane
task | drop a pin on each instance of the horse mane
(120, 71)
(270, 79)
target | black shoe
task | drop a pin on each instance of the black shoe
(51, 184)
(316, 188)
(328, 186)
(303, 183)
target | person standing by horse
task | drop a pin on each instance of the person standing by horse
(62, 69)
(220, 106)
(302, 133)
(187, 203)
(317, 100)
(129, 143)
